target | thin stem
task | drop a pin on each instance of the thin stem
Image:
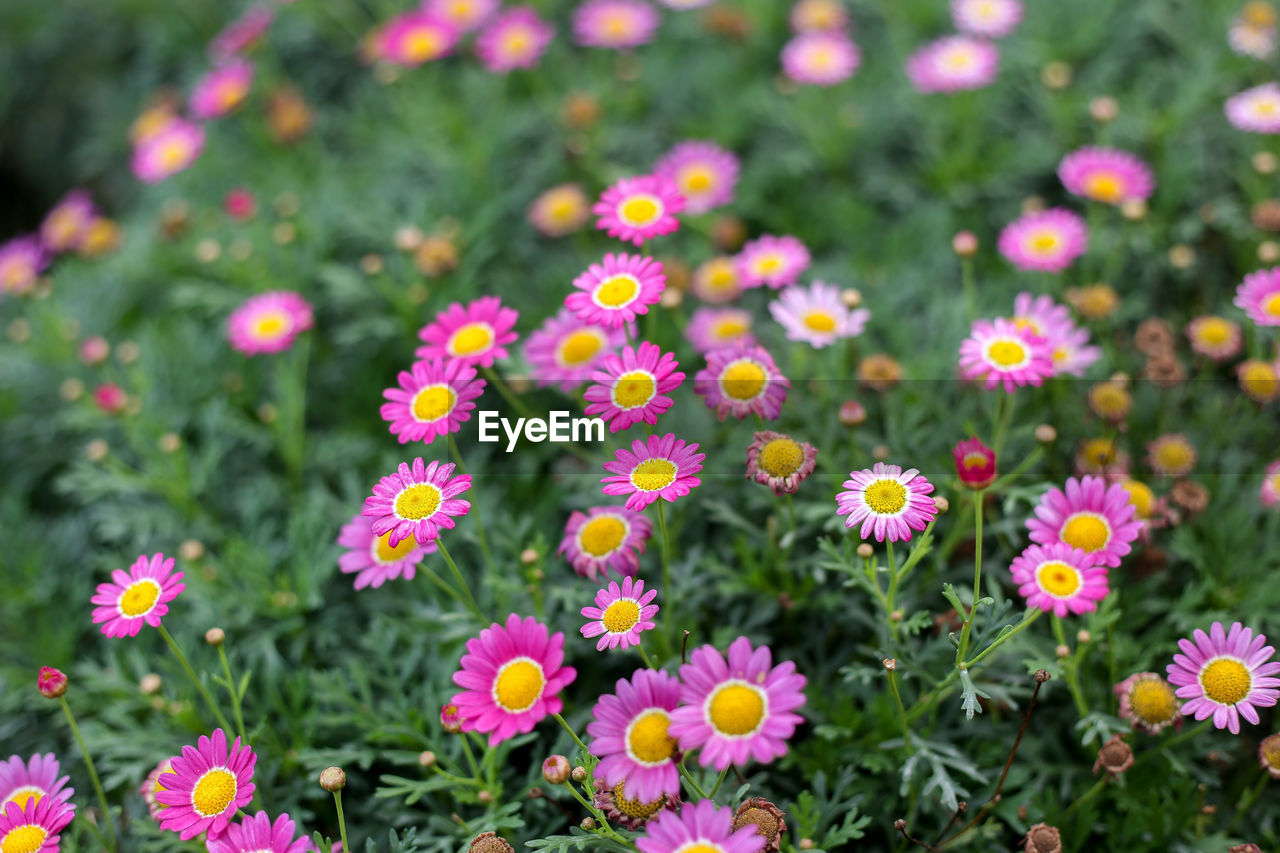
(1026, 620)
(342, 821)
(719, 782)
(688, 777)
(1069, 671)
(93, 773)
(1088, 795)
(512, 400)
(963, 648)
(1007, 404)
(235, 694)
(902, 711)
(966, 276)
(453, 567)
(568, 728)
(644, 656)
(484, 540)
(667, 598)
(191, 673)
(471, 757)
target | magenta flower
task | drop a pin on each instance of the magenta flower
(699, 825)
(416, 37)
(1148, 702)
(1041, 316)
(662, 467)
(616, 24)
(221, 89)
(516, 38)
(887, 501)
(435, 398)
(269, 322)
(241, 34)
(1269, 493)
(780, 462)
(22, 259)
(1059, 579)
(1048, 241)
(136, 597)
(738, 709)
(953, 64)
(64, 227)
(417, 501)
(975, 463)
(1215, 337)
(717, 328)
(1090, 515)
(257, 834)
(372, 559)
(629, 734)
(638, 209)
(986, 18)
(511, 676)
(617, 290)
(463, 15)
(35, 827)
(772, 261)
(1225, 675)
(28, 782)
(605, 539)
(208, 784)
(565, 351)
(1259, 296)
(1107, 175)
(632, 388)
(1000, 354)
(742, 381)
(167, 151)
(621, 614)
(702, 172)
(477, 333)
(1256, 110)
(820, 58)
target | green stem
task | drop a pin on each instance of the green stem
(1007, 403)
(1026, 620)
(966, 276)
(644, 656)
(902, 711)
(475, 513)
(688, 777)
(453, 567)
(93, 773)
(1088, 795)
(512, 400)
(235, 694)
(191, 673)
(668, 599)
(342, 821)
(1032, 458)
(471, 757)
(719, 782)
(963, 648)
(1069, 670)
(568, 728)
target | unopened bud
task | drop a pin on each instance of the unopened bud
(1062, 651)
(865, 551)
(965, 244)
(51, 682)
(150, 684)
(333, 779)
(1083, 636)
(528, 556)
(941, 504)
(426, 758)
(214, 636)
(851, 297)
(579, 773)
(1046, 434)
(588, 823)
(556, 770)
(1042, 675)
(889, 664)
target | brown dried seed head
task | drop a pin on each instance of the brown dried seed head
(490, 842)
(1043, 838)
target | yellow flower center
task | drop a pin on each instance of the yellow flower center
(1213, 331)
(1270, 752)
(1058, 579)
(1028, 323)
(1006, 352)
(958, 59)
(1110, 400)
(633, 390)
(768, 264)
(721, 275)
(781, 457)
(1104, 186)
(885, 497)
(24, 796)
(640, 210)
(422, 44)
(228, 94)
(621, 616)
(974, 460)
(1259, 379)
(647, 738)
(1099, 452)
(139, 597)
(419, 501)
(635, 809)
(27, 838)
(743, 379)
(1226, 681)
(173, 154)
(386, 554)
(471, 339)
(1265, 109)
(1141, 496)
(821, 57)
(518, 685)
(820, 321)
(1086, 531)
(702, 848)
(736, 709)
(214, 792)
(1271, 305)
(1173, 455)
(1043, 242)
(617, 24)
(270, 325)
(579, 348)
(617, 292)
(652, 475)
(730, 328)
(697, 179)
(433, 402)
(602, 535)
(516, 41)
(1152, 701)
(564, 206)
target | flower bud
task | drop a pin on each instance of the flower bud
(528, 556)
(588, 823)
(214, 636)
(852, 414)
(1046, 434)
(965, 244)
(150, 684)
(865, 551)
(333, 779)
(1043, 838)
(556, 770)
(450, 718)
(579, 773)
(51, 682)
(941, 504)
(975, 463)
(426, 758)
(1062, 652)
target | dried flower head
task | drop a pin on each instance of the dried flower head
(1115, 756)
(767, 819)
(1043, 838)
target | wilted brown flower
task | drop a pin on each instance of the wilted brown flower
(1094, 301)
(767, 818)
(436, 255)
(1165, 371)
(1043, 838)
(288, 115)
(1190, 495)
(1154, 337)
(490, 842)
(879, 372)
(1115, 756)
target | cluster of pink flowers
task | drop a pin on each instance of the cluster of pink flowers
(822, 51)
(506, 39)
(72, 225)
(1039, 341)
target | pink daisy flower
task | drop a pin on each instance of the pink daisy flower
(22, 259)
(1070, 352)
(616, 24)
(605, 539)
(1269, 494)
(28, 782)
(975, 463)
(1047, 241)
(241, 34)
(221, 89)
(617, 290)
(566, 351)
(685, 4)
(629, 735)
(140, 595)
(208, 784)
(780, 462)
(1255, 110)
(702, 172)
(986, 18)
(621, 615)
(999, 353)
(1148, 702)
(701, 827)
(167, 151)
(820, 58)
(717, 281)
(1259, 296)
(953, 64)
(1214, 337)
(64, 227)
(632, 388)
(511, 677)
(638, 209)
(739, 709)
(1106, 174)
(416, 37)
(716, 328)
(662, 467)
(476, 334)
(515, 39)
(817, 315)
(257, 834)
(887, 501)
(151, 786)
(773, 261)
(417, 501)
(1090, 515)
(372, 559)
(434, 399)
(269, 322)
(462, 15)
(34, 827)
(1041, 316)
(742, 381)
(1225, 675)
(1059, 579)
(822, 15)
